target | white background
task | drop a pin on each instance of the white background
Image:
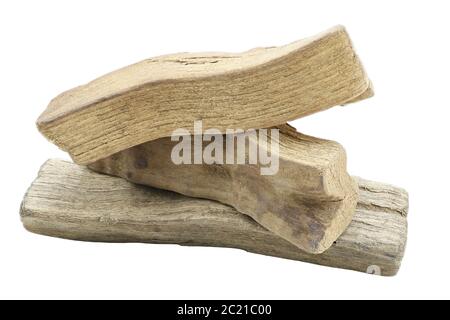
(399, 136)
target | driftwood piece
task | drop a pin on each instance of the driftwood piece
(309, 201)
(260, 88)
(72, 202)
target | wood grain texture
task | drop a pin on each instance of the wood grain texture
(72, 202)
(255, 89)
(310, 201)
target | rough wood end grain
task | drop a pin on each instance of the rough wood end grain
(260, 88)
(72, 202)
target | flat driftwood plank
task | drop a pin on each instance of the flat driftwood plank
(72, 202)
(260, 88)
(310, 200)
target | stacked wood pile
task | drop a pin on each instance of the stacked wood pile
(126, 187)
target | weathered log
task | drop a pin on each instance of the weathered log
(72, 202)
(309, 201)
(257, 89)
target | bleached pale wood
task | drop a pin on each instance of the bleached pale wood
(310, 201)
(72, 202)
(256, 89)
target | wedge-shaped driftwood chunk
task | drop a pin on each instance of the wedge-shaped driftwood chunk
(72, 202)
(256, 89)
(309, 201)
